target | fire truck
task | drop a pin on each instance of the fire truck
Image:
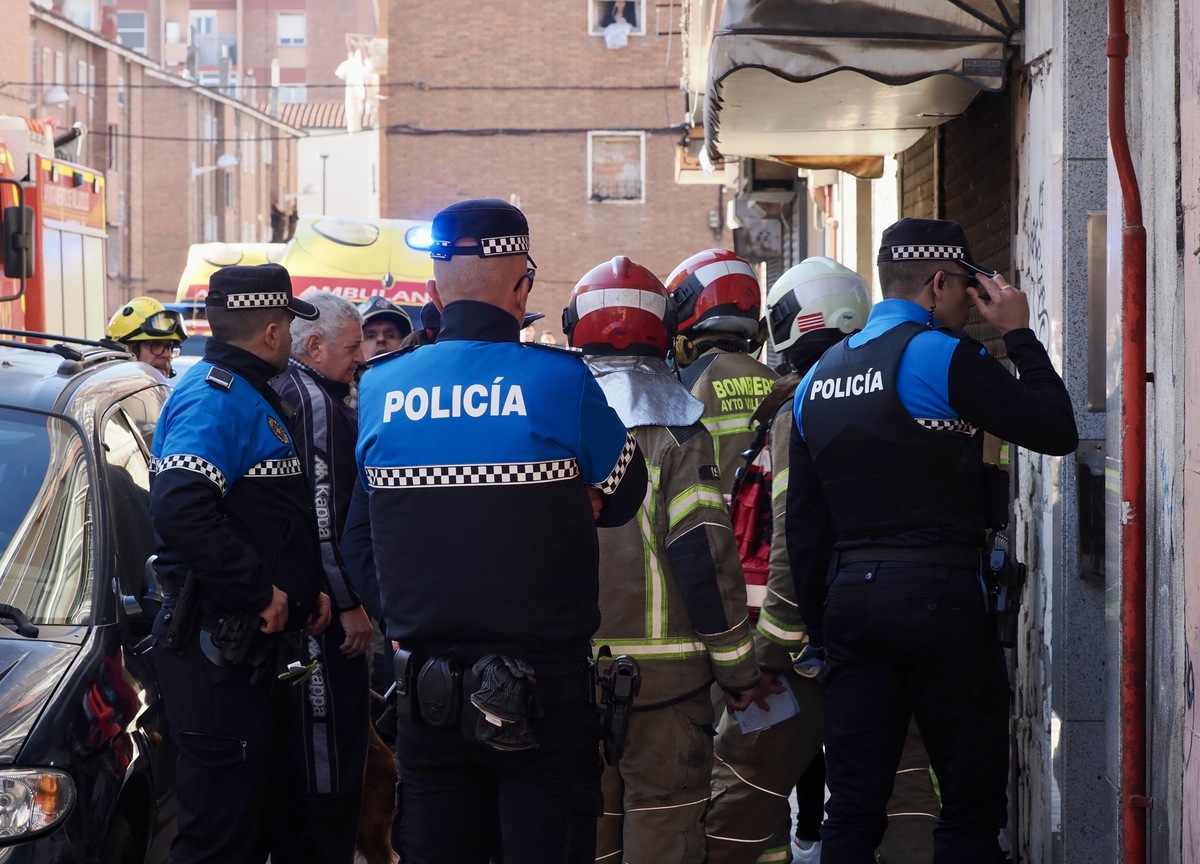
(53, 236)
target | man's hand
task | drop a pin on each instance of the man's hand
(739, 700)
(357, 625)
(1005, 309)
(319, 620)
(274, 617)
(768, 685)
(597, 499)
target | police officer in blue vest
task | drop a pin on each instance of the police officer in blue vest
(474, 450)
(240, 564)
(887, 511)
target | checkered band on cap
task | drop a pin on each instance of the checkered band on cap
(510, 474)
(260, 299)
(900, 253)
(276, 468)
(956, 425)
(505, 245)
(190, 463)
(610, 483)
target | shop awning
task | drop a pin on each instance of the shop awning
(827, 78)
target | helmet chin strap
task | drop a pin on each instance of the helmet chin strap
(688, 350)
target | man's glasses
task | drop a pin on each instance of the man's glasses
(530, 274)
(158, 348)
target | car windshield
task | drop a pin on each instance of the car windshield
(45, 518)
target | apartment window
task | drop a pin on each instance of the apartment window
(203, 22)
(79, 12)
(266, 148)
(131, 30)
(60, 68)
(292, 93)
(209, 79)
(228, 190)
(47, 75)
(292, 28)
(616, 166)
(80, 78)
(602, 13)
(248, 160)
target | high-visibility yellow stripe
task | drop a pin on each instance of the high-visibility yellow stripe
(780, 632)
(727, 423)
(656, 582)
(770, 855)
(779, 484)
(655, 649)
(732, 654)
(689, 500)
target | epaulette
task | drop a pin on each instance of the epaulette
(562, 349)
(682, 434)
(390, 355)
(220, 378)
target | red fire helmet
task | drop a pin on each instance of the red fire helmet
(716, 290)
(620, 307)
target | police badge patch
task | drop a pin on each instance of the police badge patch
(278, 430)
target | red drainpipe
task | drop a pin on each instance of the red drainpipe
(1134, 799)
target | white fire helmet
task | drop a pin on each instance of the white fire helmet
(816, 293)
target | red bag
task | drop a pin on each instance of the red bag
(750, 513)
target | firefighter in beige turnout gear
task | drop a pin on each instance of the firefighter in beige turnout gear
(718, 299)
(811, 307)
(671, 588)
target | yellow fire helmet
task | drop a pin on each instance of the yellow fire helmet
(144, 319)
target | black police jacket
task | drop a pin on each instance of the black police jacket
(228, 495)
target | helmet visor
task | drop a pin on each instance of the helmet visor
(163, 324)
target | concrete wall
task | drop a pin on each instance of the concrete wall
(1154, 125)
(347, 182)
(522, 133)
(14, 59)
(1062, 811)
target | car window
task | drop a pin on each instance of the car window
(45, 521)
(125, 442)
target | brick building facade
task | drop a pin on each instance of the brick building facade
(524, 101)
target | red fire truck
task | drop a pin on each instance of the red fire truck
(63, 230)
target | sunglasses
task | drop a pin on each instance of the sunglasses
(530, 274)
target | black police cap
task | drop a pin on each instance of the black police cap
(498, 228)
(929, 239)
(256, 286)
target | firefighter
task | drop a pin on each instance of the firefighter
(671, 589)
(151, 332)
(888, 505)
(810, 307)
(473, 450)
(719, 303)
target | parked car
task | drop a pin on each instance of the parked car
(86, 771)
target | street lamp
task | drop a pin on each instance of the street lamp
(225, 162)
(324, 184)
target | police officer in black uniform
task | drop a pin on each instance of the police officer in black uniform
(474, 450)
(887, 498)
(240, 564)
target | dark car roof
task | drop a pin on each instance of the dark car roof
(44, 381)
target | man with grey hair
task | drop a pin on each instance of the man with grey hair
(332, 724)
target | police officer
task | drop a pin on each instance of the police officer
(385, 325)
(720, 328)
(331, 728)
(240, 564)
(811, 307)
(151, 331)
(887, 483)
(671, 589)
(474, 450)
